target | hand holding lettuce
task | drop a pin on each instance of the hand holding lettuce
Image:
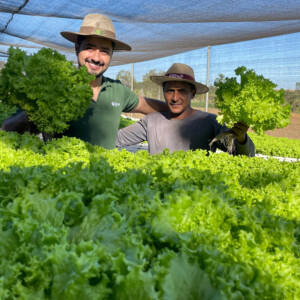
(50, 89)
(253, 101)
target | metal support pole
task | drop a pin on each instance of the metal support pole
(132, 77)
(131, 82)
(207, 78)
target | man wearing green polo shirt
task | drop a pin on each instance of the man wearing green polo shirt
(94, 45)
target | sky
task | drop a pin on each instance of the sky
(276, 58)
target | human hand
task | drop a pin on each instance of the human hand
(239, 131)
(19, 123)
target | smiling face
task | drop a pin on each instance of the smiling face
(95, 53)
(178, 96)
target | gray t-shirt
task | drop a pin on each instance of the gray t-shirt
(194, 132)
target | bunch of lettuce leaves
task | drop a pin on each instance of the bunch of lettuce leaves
(6, 111)
(253, 100)
(125, 122)
(50, 89)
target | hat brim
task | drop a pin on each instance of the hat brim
(200, 88)
(72, 37)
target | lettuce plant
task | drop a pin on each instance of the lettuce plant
(50, 89)
(253, 101)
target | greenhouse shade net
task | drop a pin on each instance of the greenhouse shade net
(153, 29)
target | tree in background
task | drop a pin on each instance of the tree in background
(150, 89)
(146, 87)
(293, 98)
(125, 78)
(199, 100)
(221, 78)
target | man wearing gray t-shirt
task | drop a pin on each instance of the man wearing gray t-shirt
(182, 127)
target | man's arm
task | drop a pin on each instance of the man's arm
(132, 134)
(19, 123)
(147, 106)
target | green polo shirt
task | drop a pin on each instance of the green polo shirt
(100, 123)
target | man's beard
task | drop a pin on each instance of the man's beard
(97, 75)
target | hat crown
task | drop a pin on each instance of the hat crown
(183, 69)
(98, 21)
(180, 72)
(99, 26)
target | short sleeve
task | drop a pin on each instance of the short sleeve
(131, 100)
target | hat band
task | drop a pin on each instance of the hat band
(181, 76)
(95, 30)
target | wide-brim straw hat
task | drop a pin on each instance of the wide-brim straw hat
(180, 72)
(99, 26)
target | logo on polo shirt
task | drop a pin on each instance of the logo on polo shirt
(115, 104)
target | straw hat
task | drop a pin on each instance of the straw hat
(180, 72)
(97, 25)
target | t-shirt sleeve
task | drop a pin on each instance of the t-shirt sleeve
(132, 134)
(247, 148)
(130, 100)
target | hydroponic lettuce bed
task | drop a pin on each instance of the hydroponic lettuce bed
(80, 222)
